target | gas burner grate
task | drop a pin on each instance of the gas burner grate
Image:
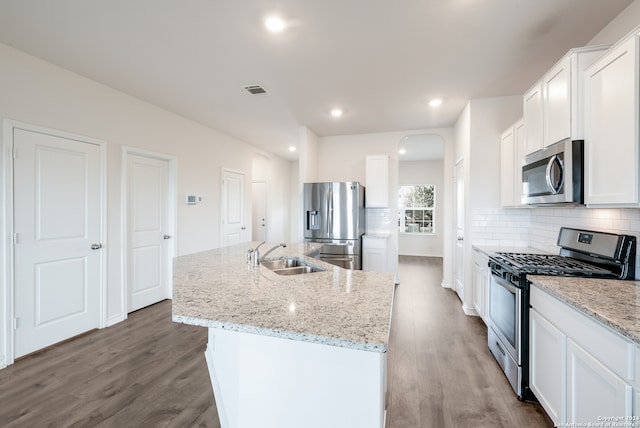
(550, 264)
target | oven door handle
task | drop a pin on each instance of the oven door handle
(502, 283)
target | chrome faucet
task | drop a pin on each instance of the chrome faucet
(275, 247)
(256, 254)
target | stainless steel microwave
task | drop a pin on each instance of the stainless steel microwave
(554, 175)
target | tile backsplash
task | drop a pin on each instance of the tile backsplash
(498, 226)
(380, 220)
(538, 227)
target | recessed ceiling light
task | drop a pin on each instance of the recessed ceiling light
(435, 102)
(336, 112)
(275, 24)
(402, 151)
(292, 148)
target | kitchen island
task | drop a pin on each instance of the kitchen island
(288, 351)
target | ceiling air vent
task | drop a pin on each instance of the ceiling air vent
(256, 90)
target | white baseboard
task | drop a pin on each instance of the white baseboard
(3, 362)
(420, 255)
(469, 310)
(115, 319)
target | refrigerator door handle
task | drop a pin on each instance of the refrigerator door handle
(330, 216)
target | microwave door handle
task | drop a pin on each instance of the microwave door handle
(557, 186)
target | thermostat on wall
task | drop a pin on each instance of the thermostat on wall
(192, 199)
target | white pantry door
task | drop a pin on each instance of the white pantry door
(148, 223)
(57, 221)
(259, 211)
(232, 208)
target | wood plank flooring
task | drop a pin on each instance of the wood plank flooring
(151, 372)
(441, 372)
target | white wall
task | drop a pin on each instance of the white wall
(424, 172)
(36, 92)
(276, 173)
(295, 204)
(622, 24)
(477, 141)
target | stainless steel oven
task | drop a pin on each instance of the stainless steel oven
(583, 253)
(506, 307)
(554, 175)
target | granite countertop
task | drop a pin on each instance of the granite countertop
(613, 302)
(337, 307)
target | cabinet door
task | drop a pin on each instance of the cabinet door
(533, 119)
(519, 134)
(547, 367)
(507, 168)
(479, 280)
(593, 391)
(377, 188)
(557, 102)
(374, 255)
(611, 123)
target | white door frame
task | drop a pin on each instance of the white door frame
(7, 286)
(172, 200)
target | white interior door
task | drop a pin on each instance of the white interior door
(259, 211)
(57, 221)
(459, 244)
(148, 231)
(232, 208)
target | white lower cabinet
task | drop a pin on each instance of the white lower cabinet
(593, 391)
(375, 254)
(581, 371)
(481, 276)
(547, 375)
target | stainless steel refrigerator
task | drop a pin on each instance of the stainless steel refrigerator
(334, 214)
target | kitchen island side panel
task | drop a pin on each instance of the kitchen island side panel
(273, 382)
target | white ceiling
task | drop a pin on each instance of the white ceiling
(380, 60)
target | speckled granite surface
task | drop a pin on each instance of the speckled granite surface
(338, 307)
(614, 303)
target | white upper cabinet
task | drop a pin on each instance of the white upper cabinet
(519, 133)
(556, 86)
(377, 186)
(611, 127)
(511, 151)
(533, 119)
(553, 106)
(507, 168)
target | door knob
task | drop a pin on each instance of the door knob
(243, 228)
(460, 238)
(96, 246)
(166, 237)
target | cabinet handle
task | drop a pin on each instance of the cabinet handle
(96, 246)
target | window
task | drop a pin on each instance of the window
(416, 205)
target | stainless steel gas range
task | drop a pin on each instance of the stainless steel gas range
(583, 253)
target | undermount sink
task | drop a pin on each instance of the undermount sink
(290, 266)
